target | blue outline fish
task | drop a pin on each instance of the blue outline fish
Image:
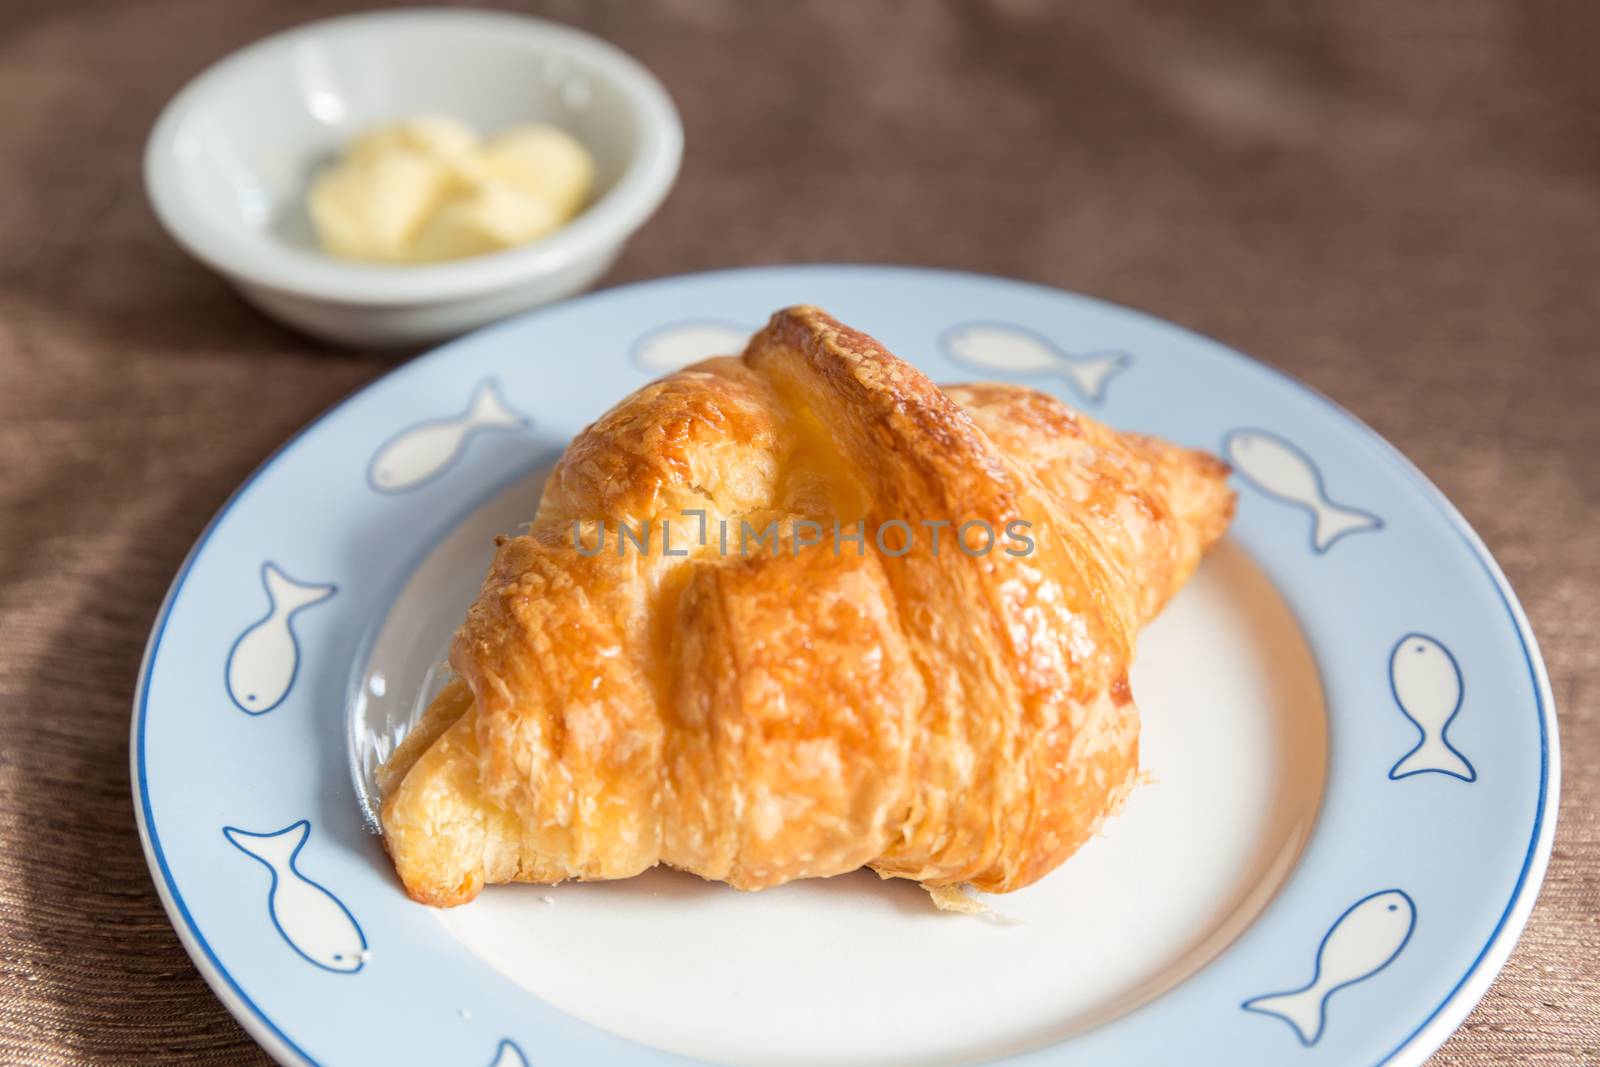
(314, 922)
(1361, 942)
(1283, 471)
(1426, 683)
(265, 658)
(421, 452)
(679, 344)
(994, 346)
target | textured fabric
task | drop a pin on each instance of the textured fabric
(1397, 202)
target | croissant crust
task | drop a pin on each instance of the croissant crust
(802, 710)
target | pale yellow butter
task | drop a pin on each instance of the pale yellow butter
(543, 162)
(427, 189)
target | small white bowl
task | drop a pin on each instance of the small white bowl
(229, 161)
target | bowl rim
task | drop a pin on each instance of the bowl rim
(638, 191)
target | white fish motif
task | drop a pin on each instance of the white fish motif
(674, 347)
(1427, 685)
(265, 658)
(1362, 942)
(312, 920)
(1281, 470)
(420, 453)
(989, 346)
(509, 1055)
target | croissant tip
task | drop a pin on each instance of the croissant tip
(808, 316)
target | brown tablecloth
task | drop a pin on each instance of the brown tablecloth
(1398, 202)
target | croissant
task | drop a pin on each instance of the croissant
(805, 707)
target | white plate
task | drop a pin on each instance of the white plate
(1346, 723)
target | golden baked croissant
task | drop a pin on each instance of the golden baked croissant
(938, 715)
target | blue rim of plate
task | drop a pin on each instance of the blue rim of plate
(1221, 1000)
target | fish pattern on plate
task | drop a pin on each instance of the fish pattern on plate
(265, 658)
(992, 346)
(307, 915)
(421, 452)
(678, 344)
(1281, 470)
(1426, 682)
(1360, 943)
